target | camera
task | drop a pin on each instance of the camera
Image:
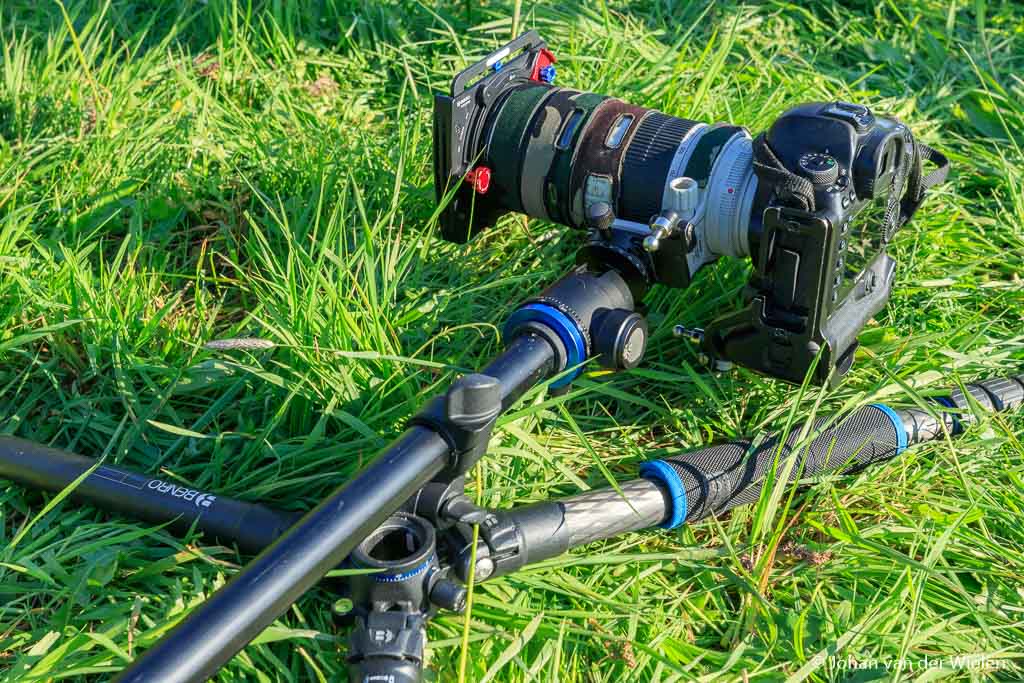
(813, 201)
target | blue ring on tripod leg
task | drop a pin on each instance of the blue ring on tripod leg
(947, 401)
(566, 329)
(897, 424)
(661, 471)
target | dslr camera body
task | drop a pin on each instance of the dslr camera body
(813, 201)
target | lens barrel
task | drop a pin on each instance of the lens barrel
(647, 161)
(554, 152)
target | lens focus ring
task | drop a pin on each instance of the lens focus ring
(646, 164)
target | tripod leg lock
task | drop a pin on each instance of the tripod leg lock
(464, 416)
(387, 646)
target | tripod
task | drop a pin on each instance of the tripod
(406, 524)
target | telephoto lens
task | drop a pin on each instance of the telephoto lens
(555, 152)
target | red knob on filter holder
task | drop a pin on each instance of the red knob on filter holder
(480, 179)
(541, 72)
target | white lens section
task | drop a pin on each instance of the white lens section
(730, 195)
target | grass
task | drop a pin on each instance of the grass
(177, 172)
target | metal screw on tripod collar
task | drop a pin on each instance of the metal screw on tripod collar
(662, 227)
(483, 564)
(483, 569)
(682, 196)
(600, 217)
(690, 334)
(695, 335)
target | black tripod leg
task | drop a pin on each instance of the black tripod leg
(252, 527)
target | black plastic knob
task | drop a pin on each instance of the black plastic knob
(448, 594)
(820, 169)
(600, 216)
(473, 401)
(620, 339)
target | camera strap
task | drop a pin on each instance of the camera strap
(918, 183)
(790, 188)
(903, 204)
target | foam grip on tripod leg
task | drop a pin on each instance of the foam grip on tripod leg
(997, 394)
(718, 478)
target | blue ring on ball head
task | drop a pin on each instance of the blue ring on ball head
(897, 424)
(566, 329)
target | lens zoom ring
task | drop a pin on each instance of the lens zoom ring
(646, 163)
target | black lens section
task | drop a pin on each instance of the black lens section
(647, 162)
(565, 139)
(544, 143)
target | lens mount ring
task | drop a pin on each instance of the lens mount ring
(731, 188)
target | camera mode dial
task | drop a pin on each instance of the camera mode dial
(820, 169)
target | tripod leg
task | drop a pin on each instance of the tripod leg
(252, 527)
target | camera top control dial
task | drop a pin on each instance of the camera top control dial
(820, 169)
